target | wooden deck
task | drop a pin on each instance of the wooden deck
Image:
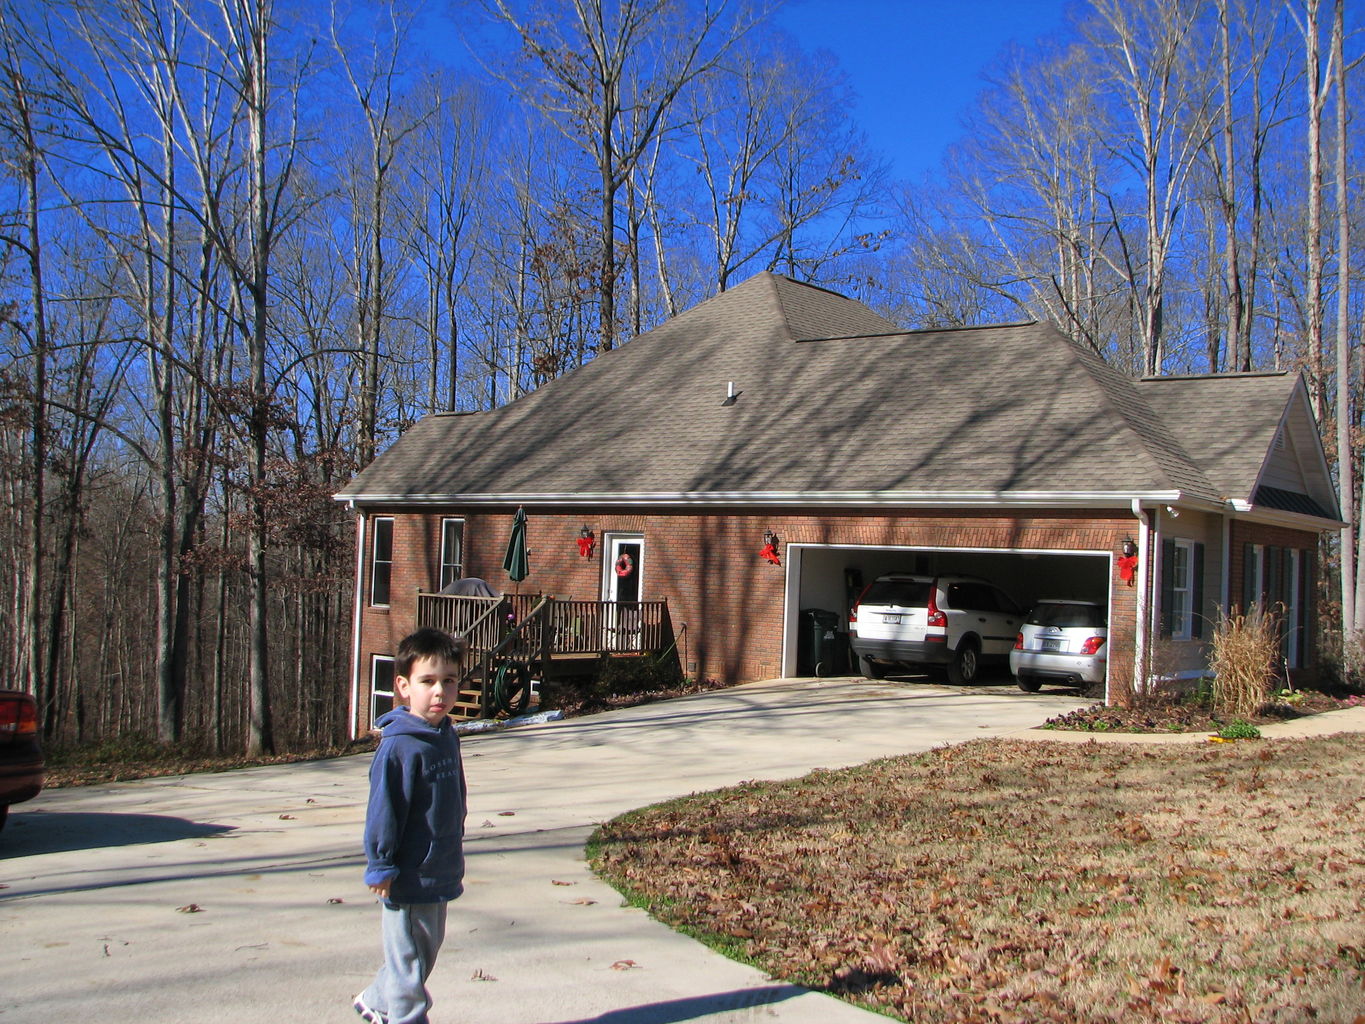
(532, 635)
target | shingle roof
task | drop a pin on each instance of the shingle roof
(834, 400)
(1233, 416)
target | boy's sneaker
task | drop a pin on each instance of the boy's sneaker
(367, 1014)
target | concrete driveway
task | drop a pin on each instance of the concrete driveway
(238, 896)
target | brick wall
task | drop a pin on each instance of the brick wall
(1243, 533)
(724, 600)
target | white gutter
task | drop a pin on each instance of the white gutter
(362, 525)
(1278, 517)
(905, 499)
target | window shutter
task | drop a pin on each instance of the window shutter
(1308, 602)
(1274, 559)
(1167, 586)
(1197, 589)
(1248, 576)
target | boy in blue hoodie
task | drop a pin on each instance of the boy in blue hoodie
(414, 826)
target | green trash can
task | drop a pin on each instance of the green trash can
(820, 649)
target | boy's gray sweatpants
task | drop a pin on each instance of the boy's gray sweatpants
(412, 934)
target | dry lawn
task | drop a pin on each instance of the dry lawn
(1033, 881)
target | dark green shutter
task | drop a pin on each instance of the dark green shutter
(1248, 574)
(1167, 586)
(1197, 592)
(1274, 576)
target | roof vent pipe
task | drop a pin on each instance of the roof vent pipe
(731, 394)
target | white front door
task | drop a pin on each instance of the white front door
(623, 569)
(622, 584)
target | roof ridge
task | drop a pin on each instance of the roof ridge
(1162, 378)
(1140, 419)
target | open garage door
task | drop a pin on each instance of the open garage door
(830, 578)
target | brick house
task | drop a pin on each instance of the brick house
(782, 411)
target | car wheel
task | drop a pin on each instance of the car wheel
(966, 664)
(1027, 685)
(872, 669)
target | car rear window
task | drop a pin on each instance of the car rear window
(1063, 615)
(905, 593)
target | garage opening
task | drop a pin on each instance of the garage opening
(830, 578)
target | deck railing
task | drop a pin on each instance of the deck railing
(575, 627)
(534, 629)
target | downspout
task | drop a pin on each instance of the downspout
(1143, 595)
(1225, 576)
(361, 530)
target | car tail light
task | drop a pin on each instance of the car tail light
(1091, 645)
(853, 612)
(17, 718)
(936, 617)
(1018, 641)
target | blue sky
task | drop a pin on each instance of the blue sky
(916, 64)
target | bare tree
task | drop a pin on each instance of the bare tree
(609, 75)
(1151, 60)
(17, 123)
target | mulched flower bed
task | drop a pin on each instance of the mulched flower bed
(1172, 714)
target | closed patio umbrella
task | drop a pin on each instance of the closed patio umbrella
(517, 561)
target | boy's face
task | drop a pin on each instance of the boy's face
(430, 687)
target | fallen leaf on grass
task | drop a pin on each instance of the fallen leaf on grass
(190, 908)
(286, 817)
(507, 814)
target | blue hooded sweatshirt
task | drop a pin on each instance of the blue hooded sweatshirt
(414, 824)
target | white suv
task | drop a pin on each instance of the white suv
(955, 622)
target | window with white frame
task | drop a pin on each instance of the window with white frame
(381, 560)
(452, 551)
(381, 686)
(1182, 603)
(1182, 588)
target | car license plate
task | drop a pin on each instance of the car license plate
(1052, 645)
(892, 620)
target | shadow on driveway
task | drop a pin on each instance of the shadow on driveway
(38, 832)
(676, 1010)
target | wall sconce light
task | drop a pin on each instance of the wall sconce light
(585, 541)
(769, 551)
(585, 532)
(1128, 563)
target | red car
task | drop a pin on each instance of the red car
(21, 758)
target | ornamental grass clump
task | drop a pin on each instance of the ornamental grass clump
(1245, 648)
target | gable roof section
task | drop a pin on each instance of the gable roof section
(836, 405)
(1255, 436)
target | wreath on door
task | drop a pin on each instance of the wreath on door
(625, 565)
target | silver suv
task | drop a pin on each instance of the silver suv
(952, 622)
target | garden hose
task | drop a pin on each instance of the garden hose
(512, 687)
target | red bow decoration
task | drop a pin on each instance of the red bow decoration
(770, 553)
(585, 546)
(1127, 565)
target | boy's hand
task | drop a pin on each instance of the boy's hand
(382, 889)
